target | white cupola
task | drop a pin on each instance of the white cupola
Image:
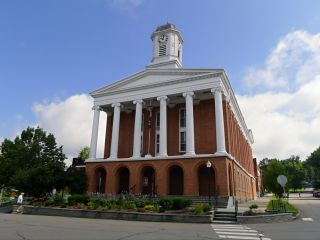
(167, 47)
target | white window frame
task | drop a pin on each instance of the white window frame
(182, 129)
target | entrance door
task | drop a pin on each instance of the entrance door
(100, 180)
(148, 181)
(123, 180)
(206, 179)
(176, 181)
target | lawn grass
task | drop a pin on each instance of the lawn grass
(281, 206)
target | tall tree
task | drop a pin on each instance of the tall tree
(272, 171)
(84, 153)
(313, 162)
(32, 162)
(295, 172)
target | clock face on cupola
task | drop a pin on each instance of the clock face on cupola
(163, 38)
(167, 47)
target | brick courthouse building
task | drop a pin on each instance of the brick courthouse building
(165, 123)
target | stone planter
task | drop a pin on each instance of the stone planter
(118, 215)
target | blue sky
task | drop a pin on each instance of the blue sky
(53, 50)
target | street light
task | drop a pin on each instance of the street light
(209, 178)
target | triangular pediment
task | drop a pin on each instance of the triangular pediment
(150, 77)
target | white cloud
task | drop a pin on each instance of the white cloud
(71, 123)
(294, 61)
(285, 113)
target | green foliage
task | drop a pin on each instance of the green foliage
(78, 198)
(201, 209)
(253, 206)
(139, 203)
(149, 207)
(32, 162)
(295, 172)
(273, 170)
(292, 168)
(313, 165)
(180, 203)
(280, 205)
(76, 180)
(166, 203)
(130, 205)
(84, 153)
(177, 203)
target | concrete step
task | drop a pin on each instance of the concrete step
(223, 222)
(225, 218)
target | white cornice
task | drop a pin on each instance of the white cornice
(236, 109)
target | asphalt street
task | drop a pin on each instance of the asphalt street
(28, 227)
(306, 227)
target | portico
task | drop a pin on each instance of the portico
(163, 102)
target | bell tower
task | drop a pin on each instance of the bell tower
(167, 47)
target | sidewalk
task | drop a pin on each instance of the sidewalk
(262, 203)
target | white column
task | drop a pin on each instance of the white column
(137, 129)
(115, 131)
(163, 125)
(189, 123)
(220, 137)
(94, 134)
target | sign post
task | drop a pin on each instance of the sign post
(282, 180)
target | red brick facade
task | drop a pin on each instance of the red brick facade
(180, 176)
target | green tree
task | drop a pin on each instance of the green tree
(76, 180)
(84, 153)
(313, 162)
(272, 171)
(32, 162)
(295, 172)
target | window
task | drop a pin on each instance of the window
(182, 130)
(157, 133)
(162, 50)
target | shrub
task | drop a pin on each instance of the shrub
(149, 207)
(120, 201)
(198, 210)
(253, 206)
(99, 201)
(110, 204)
(92, 205)
(206, 207)
(139, 203)
(49, 202)
(180, 203)
(130, 205)
(201, 209)
(58, 200)
(166, 203)
(77, 198)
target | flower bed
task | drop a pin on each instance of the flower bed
(126, 203)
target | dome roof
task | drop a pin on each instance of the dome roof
(166, 26)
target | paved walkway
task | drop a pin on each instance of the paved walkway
(262, 202)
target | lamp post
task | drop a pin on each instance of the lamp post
(149, 108)
(209, 178)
